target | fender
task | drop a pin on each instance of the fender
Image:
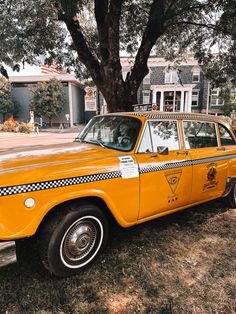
(31, 228)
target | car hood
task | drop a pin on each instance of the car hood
(52, 154)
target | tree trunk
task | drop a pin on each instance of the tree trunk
(119, 96)
(50, 121)
(106, 70)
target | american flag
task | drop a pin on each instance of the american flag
(53, 69)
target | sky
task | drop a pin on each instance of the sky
(28, 70)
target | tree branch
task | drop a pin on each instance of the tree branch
(210, 26)
(152, 32)
(84, 53)
(114, 28)
(101, 13)
(67, 13)
(179, 12)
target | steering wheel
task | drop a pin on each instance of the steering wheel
(125, 141)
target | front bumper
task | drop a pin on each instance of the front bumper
(7, 253)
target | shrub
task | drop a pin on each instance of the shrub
(25, 127)
(9, 126)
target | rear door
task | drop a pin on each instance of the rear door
(165, 180)
(208, 160)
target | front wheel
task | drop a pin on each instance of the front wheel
(71, 241)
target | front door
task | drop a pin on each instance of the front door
(165, 179)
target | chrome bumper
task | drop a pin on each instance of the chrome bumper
(7, 253)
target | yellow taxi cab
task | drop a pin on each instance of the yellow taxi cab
(132, 167)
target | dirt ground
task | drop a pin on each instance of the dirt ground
(182, 263)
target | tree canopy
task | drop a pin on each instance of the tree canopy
(8, 104)
(90, 36)
(48, 99)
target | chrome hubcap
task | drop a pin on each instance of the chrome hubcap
(79, 240)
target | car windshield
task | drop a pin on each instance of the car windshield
(116, 132)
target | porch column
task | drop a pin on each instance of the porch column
(182, 101)
(186, 101)
(154, 96)
(190, 101)
(70, 104)
(162, 101)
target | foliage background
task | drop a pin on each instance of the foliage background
(89, 36)
(48, 99)
(8, 104)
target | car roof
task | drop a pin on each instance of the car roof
(172, 115)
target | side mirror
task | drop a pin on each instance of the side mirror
(162, 150)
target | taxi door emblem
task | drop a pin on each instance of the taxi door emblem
(173, 179)
(211, 177)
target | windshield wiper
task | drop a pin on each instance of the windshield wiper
(96, 141)
(77, 139)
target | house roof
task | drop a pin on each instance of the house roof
(43, 78)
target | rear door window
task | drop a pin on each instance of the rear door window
(226, 138)
(199, 134)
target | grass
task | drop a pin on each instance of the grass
(182, 263)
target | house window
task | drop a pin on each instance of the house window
(146, 79)
(196, 76)
(195, 98)
(170, 77)
(146, 96)
(215, 99)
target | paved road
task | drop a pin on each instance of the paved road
(9, 140)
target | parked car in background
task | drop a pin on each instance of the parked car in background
(130, 167)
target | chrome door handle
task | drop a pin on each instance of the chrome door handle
(184, 152)
(221, 148)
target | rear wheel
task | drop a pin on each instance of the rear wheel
(71, 241)
(231, 197)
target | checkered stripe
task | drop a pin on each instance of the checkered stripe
(178, 164)
(174, 116)
(185, 163)
(46, 185)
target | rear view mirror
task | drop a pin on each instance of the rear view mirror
(162, 150)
